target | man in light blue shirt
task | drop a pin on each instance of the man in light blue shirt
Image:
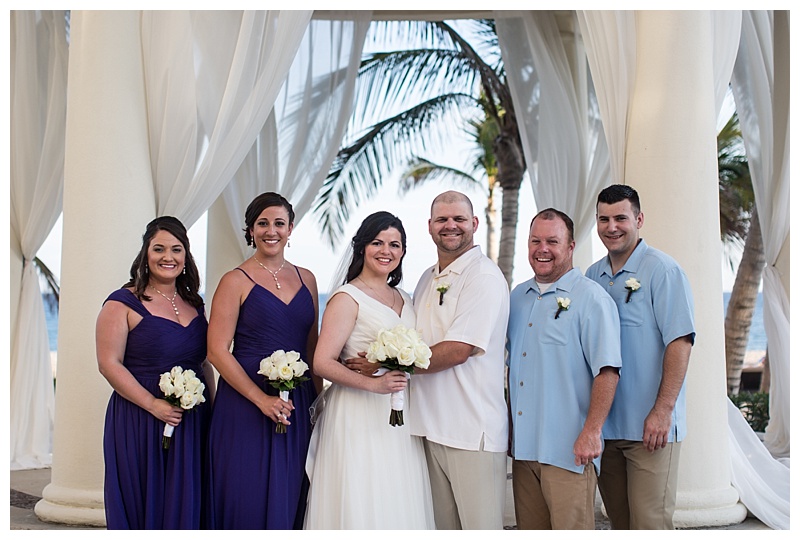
(564, 359)
(647, 421)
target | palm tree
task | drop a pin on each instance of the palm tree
(738, 226)
(447, 80)
(483, 175)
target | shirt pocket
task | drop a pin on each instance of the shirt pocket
(558, 330)
(633, 313)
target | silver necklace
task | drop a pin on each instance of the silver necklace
(275, 273)
(394, 298)
(170, 300)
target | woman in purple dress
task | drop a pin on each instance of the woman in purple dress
(153, 323)
(257, 478)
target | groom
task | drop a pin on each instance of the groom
(458, 403)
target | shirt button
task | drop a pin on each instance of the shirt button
(540, 298)
(524, 354)
(530, 324)
(521, 383)
(519, 413)
(610, 283)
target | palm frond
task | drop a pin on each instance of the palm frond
(359, 168)
(736, 196)
(422, 171)
(51, 280)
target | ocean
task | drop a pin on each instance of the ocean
(757, 342)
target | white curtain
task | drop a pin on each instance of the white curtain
(610, 41)
(557, 111)
(211, 80)
(760, 89)
(38, 123)
(302, 134)
(762, 481)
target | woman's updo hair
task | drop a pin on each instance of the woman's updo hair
(254, 209)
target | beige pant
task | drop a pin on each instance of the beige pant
(549, 497)
(639, 487)
(468, 487)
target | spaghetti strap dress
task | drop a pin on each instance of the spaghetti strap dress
(257, 478)
(145, 486)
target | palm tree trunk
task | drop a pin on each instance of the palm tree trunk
(742, 304)
(765, 375)
(492, 245)
(508, 231)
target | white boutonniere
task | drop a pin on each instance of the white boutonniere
(563, 305)
(632, 285)
(442, 288)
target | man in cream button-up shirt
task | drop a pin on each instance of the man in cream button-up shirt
(458, 403)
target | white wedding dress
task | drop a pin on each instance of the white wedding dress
(364, 473)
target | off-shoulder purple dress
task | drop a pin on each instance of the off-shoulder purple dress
(257, 478)
(147, 487)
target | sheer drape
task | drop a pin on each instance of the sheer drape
(557, 111)
(302, 134)
(760, 89)
(211, 80)
(610, 41)
(38, 122)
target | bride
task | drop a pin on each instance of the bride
(364, 473)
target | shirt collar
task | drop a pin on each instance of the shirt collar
(460, 264)
(564, 283)
(633, 262)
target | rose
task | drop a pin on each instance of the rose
(400, 349)
(631, 285)
(284, 371)
(442, 288)
(182, 389)
(563, 305)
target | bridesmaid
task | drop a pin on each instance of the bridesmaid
(257, 478)
(154, 322)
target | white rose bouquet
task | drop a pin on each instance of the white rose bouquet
(284, 371)
(182, 389)
(399, 349)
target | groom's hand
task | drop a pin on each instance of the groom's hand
(361, 365)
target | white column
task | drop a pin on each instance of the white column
(108, 200)
(671, 161)
(223, 252)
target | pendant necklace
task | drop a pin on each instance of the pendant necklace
(394, 298)
(275, 273)
(171, 301)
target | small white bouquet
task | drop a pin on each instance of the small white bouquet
(284, 371)
(182, 389)
(399, 349)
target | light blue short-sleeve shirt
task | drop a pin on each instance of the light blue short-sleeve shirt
(552, 364)
(656, 314)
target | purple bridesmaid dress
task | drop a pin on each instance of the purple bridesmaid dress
(147, 487)
(257, 477)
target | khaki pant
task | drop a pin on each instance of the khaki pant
(468, 487)
(549, 497)
(638, 487)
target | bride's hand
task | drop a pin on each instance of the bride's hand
(277, 410)
(393, 381)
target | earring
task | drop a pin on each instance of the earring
(184, 270)
(146, 269)
(289, 242)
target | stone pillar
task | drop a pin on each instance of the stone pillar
(671, 160)
(223, 253)
(108, 200)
